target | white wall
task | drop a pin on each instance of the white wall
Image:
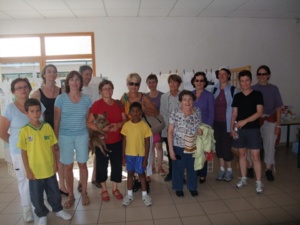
(146, 45)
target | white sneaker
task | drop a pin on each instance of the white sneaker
(27, 214)
(127, 200)
(242, 182)
(43, 220)
(259, 187)
(147, 200)
(64, 215)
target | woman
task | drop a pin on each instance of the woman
(155, 96)
(169, 101)
(14, 117)
(184, 120)
(205, 102)
(271, 119)
(47, 95)
(223, 93)
(70, 115)
(247, 109)
(115, 115)
(133, 95)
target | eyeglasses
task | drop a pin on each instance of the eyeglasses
(20, 88)
(261, 74)
(199, 81)
(132, 83)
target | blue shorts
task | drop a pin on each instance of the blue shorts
(67, 145)
(248, 138)
(135, 164)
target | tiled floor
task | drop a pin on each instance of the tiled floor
(217, 203)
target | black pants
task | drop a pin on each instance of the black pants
(115, 158)
(169, 159)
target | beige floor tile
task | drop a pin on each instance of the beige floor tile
(250, 217)
(270, 188)
(261, 201)
(227, 193)
(207, 195)
(224, 218)
(7, 197)
(247, 191)
(189, 209)
(12, 208)
(283, 199)
(144, 222)
(110, 223)
(169, 221)
(85, 217)
(112, 215)
(287, 186)
(164, 211)
(138, 213)
(3, 205)
(213, 207)
(112, 204)
(276, 215)
(293, 210)
(238, 204)
(186, 199)
(161, 199)
(196, 220)
(9, 219)
(295, 195)
(7, 180)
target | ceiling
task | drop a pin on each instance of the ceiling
(46, 9)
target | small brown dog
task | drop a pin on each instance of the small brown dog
(97, 137)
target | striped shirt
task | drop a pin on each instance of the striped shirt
(73, 115)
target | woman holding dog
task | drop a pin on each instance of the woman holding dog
(70, 115)
(114, 112)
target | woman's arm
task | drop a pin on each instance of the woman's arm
(233, 119)
(148, 107)
(4, 127)
(170, 141)
(57, 115)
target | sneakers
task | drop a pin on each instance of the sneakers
(269, 175)
(242, 182)
(27, 214)
(127, 200)
(43, 220)
(147, 200)
(221, 175)
(250, 172)
(228, 176)
(259, 187)
(64, 215)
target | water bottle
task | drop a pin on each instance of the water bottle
(236, 130)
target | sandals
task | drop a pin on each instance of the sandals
(117, 194)
(85, 199)
(70, 202)
(105, 196)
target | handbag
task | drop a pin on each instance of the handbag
(156, 123)
(190, 143)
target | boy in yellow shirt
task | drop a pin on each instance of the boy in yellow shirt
(136, 143)
(37, 141)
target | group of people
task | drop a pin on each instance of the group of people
(243, 119)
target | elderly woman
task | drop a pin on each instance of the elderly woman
(70, 115)
(114, 111)
(271, 116)
(223, 93)
(14, 117)
(183, 121)
(205, 102)
(47, 95)
(133, 95)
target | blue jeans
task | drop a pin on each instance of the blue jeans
(186, 162)
(37, 188)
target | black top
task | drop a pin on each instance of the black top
(49, 105)
(246, 105)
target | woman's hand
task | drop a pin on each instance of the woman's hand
(106, 129)
(199, 132)
(113, 127)
(30, 175)
(172, 155)
(240, 124)
(277, 130)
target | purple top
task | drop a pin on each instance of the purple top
(220, 107)
(272, 97)
(156, 100)
(206, 103)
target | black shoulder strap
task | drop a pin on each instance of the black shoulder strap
(214, 90)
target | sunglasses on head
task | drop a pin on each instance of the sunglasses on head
(132, 83)
(261, 74)
(199, 81)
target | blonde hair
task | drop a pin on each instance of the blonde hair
(134, 76)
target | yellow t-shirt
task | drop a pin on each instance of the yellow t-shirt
(135, 137)
(38, 144)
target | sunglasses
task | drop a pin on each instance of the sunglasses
(199, 81)
(132, 83)
(261, 74)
